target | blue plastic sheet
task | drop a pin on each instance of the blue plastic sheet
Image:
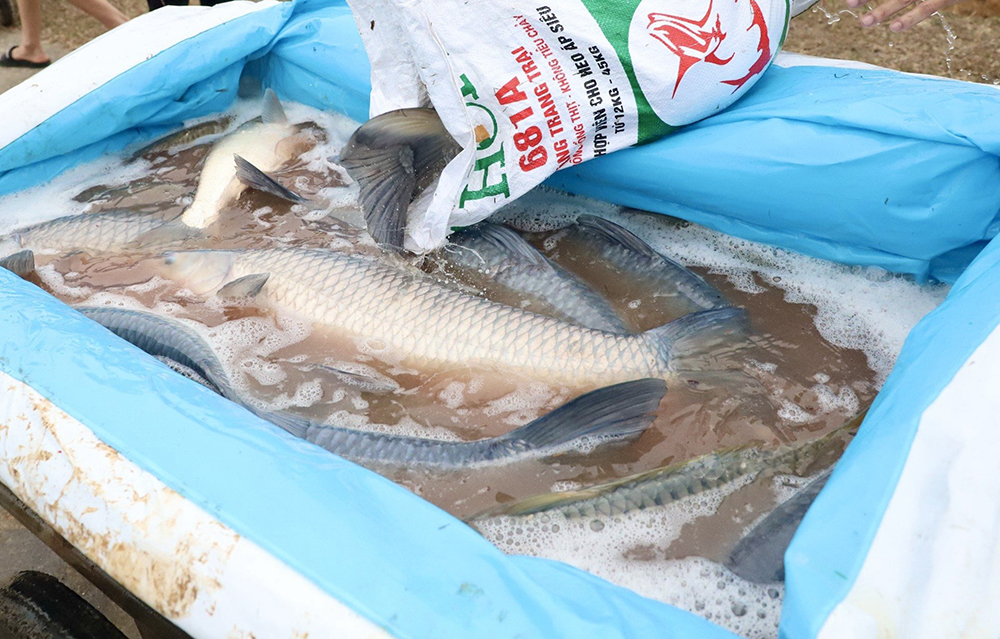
(830, 546)
(858, 166)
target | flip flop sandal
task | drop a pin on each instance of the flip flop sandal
(8, 60)
(6, 14)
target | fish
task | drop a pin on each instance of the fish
(613, 414)
(21, 263)
(264, 145)
(184, 138)
(396, 158)
(93, 233)
(671, 483)
(497, 260)
(544, 208)
(759, 556)
(599, 250)
(430, 324)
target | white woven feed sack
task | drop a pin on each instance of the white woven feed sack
(527, 89)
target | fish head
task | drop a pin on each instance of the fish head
(201, 272)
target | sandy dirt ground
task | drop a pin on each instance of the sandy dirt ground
(964, 43)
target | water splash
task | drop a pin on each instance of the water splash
(833, 18)
(951, 37)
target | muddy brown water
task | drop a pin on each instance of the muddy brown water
(780, 368)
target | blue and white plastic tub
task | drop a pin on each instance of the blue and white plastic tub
(228, 526)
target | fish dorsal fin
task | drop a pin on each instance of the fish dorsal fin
(617, 234)
(257, 179)
(271, 110)
(390, 157)
(21, 263)
(246, 286)
(504, 240)
(509, 241)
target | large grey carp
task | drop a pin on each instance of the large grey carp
(615, 413)
(651, 276)
(496, 259)
(436, 325)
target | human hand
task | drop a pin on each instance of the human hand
(892, 7)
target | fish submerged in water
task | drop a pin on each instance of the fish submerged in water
(671, 483)
(431, 324)
(185, 137)
(626, 260)
(617, 413)
(496, 259)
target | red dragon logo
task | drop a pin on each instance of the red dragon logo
(691, 42)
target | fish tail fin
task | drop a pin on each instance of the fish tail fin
(297, 426)
(390, 157)
(696, 344)
(258, 179)
(21, 263)
(614, 412)
(271, 110)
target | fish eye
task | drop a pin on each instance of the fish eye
(169, 259)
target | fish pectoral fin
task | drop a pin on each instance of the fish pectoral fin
(361, 381)
(389, 156)
(246, 286)
(253, 177)
(21, 263)
(614, 412)
(271, 110)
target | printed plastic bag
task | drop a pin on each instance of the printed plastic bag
(529, 89)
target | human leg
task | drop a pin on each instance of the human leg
(30, 49)
(102, 10)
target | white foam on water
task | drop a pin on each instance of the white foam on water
(866, 309)
(54, 199)
(523, 404)
(869, 309)
(629, 550)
